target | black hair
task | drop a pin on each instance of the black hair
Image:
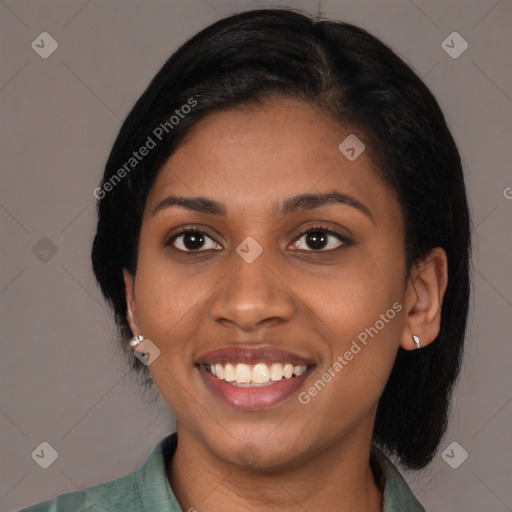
(260, 55)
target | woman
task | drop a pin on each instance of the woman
(283, 236)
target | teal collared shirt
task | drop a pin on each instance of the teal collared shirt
(147, 489)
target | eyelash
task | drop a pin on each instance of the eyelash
(324, 229)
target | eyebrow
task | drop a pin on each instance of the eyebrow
(291, 205)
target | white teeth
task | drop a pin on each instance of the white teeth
(219, 371)
(229, 373)
(260, 374)
(242, 373)
(276, 371)
(299, 370)
(288, 370)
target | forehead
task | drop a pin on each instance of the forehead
(260, 155)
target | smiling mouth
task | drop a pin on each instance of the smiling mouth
(258, 375)
(253, 378)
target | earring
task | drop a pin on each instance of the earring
(136, 340)
(417, 341)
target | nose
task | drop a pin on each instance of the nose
(252, 295)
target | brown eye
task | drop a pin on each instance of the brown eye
(193, 240)
(320, 239)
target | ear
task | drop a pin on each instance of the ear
(131, 311)
(424, 298)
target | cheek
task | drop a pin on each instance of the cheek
(165, 299)
(359, 291)
(361, 351)
(165, 295)
(362, 306)
(169, 303)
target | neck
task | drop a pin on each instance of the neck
(340, 475)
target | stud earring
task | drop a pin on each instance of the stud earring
(136, 340)
(417, 341)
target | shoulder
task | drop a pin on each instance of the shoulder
(99, 498)
(141, 490)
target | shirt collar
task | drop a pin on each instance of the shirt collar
(397, 496)
(150, 480)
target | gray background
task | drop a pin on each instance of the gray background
(63, 379)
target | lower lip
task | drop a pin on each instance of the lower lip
(252, 398)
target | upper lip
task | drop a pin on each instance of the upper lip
(252, 355)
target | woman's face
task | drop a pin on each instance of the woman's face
(330, 302)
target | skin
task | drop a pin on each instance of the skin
(311, 301)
